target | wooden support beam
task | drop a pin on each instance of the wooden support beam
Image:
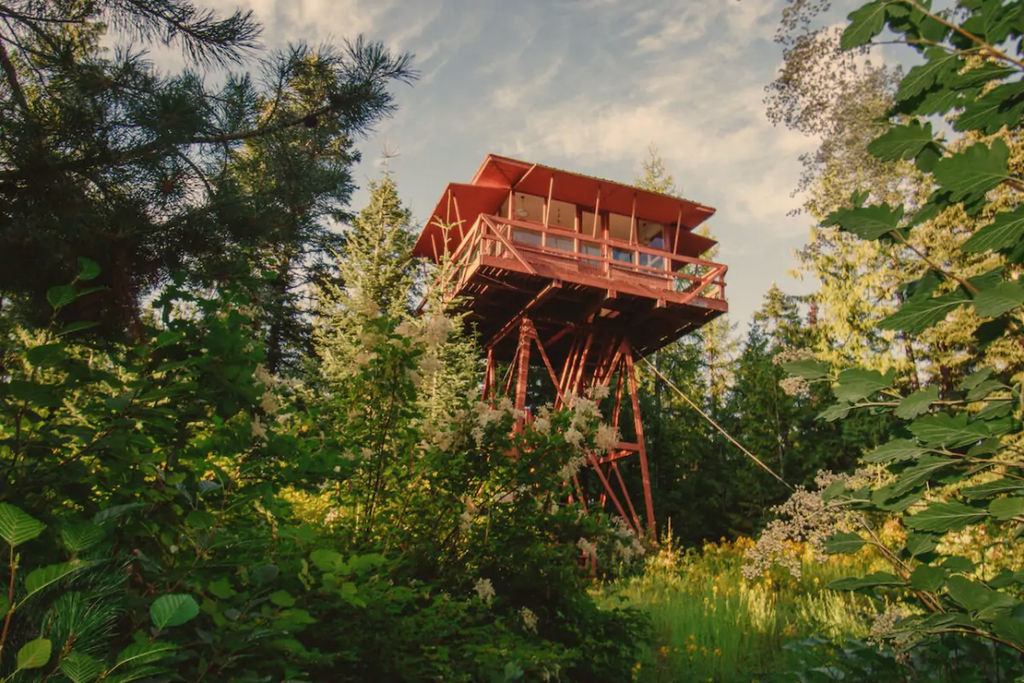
(541, 296)
(644, 470)
(547, 205)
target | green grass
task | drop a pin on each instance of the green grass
(712, 624)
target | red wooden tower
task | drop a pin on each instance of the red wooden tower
(577, 278)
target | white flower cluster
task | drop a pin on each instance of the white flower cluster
(529, 619)
(626, 543)
(587, 547)
(788, 354)
(485, 589)
(885, 623)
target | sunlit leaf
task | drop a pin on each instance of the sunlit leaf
(941, 517)
(173, 610)
(17, 527)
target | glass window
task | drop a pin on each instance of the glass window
(526, 237)
(622, 255)
(618, 226)
(563, 243)
(590, 249)
(562, 214)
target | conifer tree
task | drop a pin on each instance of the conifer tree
(104, 157)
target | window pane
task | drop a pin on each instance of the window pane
(526, 237)
(563, 243)
(622, 255)
(562, 214)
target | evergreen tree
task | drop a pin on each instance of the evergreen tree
(105, 157)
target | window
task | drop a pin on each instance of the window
(562, 214)
(590, 249)
(591, 224)
(526, 237)
(619, 226)
(622, 255)
(529, 207)
(557, 242)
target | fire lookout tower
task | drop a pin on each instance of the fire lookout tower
(592, 274)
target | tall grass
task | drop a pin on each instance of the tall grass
(712, 624)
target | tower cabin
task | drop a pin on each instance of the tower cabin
(592, 274)
(570, 250)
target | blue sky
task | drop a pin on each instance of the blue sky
(587, 85)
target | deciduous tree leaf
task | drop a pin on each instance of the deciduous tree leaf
(87, 269)
(61, 295)
(941, 65)
(895, 451)
(868, 222)
(1002, 106)
(842, 543)
(808, 369)
(917, 316)
(17, 527)
(992, 303)
(137, 654)
(174, 609)
(42, 577)
(34, 654)
(870, 581)
(79, 537)
(920, 473)
(1005, 509)
(946, 431)
(941, 517)
(80, 668)
(993, 488)
(1005, 230)
(856, 384)
(974, 171)
(902, 142)
(917, 403)
(865, 23)
(927, 578)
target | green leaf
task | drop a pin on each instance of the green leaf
(200, 519)
(282, 599)
(993, 488)
(1002, 106)
(1006, 230)
(1005, 509)
(87, 269)
(328, 561)
(983, 390)
(34, 654)
(976, 378)
(945, 431)
(970, 594)
(926, 578)
(940, 66)
(265, 574)
(807, 369)
(144, 653)
(974, 171)
(79, 537)
(917, 403)
(221, 588)
(920, 544)
(869, 222)
(992, 303)
(895, 451)
(917, 316)
(16, 527)
(42, 577)
(76, 327)
(47, 355)
(842, 543)
(870, 581)
(865, 23)
(135, 674)
(943, 517)
(80, 668)
(856, 384)
(920, 473)
(61, 295)
(1009, 628)
(173, 610)
(836, 412)
(902, 142)
(960, 565)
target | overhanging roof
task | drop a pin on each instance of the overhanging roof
(461, 203)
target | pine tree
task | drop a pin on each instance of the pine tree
(105, 157)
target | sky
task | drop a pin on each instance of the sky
(587, 86)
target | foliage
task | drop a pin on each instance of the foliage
(953, 458)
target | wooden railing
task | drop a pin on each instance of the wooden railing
(530, 244)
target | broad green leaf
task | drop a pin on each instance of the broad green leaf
(1005, 230)
(282, 599)
(884, 499)
(974, 171)
(80, 668)
(1002, 106)
(869, 222)
(265, 574)
(971, 594)
(836, 412)
(61, 295)
(79, 537)
(842, 543)
(856, 384)
(1009, 628)
(917, 316)
(895, 451)
(917, 403)
(328, 561)
(76, 327)
(865, 23)
(983, 390)
(902, 142)
(976, 378)
(921, 473)
(870, 581)
(173, 610)
(144, 671)
(1005, 509)
(920, 544)
(87, 269)
(960, 565)
(42, 577)
(144, 653)
(200, 519)
(940, 66)
(221, 588)
(807, 369)
(945, 431)
(992, 303)
(46, 355)
(943, 517)
(17, 527)
(926, 578)
(993, 488)
(34, 654)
